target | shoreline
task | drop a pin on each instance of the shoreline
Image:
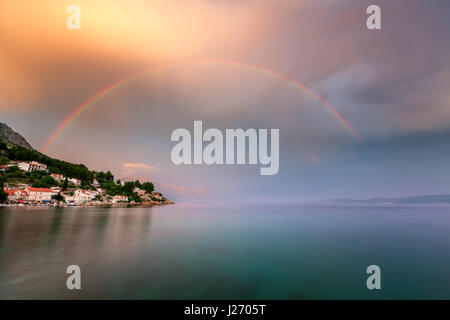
(109, 205)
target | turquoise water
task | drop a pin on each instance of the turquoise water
(240, 252)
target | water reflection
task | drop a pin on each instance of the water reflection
(254, 252)
(36, 243)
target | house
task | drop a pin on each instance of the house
(55, 190)
(11, 194)
(24, 166)
(95, 183)
(39, 194)
(79, 197)
(58, 177)
(141, 193)
(74, 181)
(37, 166)
(157, 195)
(3, 167)
(119, 199)
(16, 195)
(92, 194)
(29, 166)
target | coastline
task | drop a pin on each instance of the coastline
(89, 205)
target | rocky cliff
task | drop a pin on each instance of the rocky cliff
(9, 135)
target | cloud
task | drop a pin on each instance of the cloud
(138, 166)
(183, 190)
(137, 171)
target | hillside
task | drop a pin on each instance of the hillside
(421, 199)
(16, 156)
(8, 135)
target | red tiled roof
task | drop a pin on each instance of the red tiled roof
(39, 190)
(11, 192)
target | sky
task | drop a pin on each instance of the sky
(237, 64)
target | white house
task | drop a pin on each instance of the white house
(58, 177)
(74, 181)
(56, 190)
(79, 197)
(39, 194)
(156, 195)
(92, 194)
(37, 166)
(119, 198)
(24, 166)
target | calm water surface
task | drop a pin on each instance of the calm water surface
(252, 252)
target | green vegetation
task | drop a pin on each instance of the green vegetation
(3, 146)
(45, 182)
(78, 171)
(127, 189)
(3, 194)
(148, 186)
(65, 184)
(14, 173)
(58, 197)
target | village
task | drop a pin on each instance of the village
(69, 191)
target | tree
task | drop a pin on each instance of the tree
(16, 174)
(148, 186)
(48, 181)
(12, 169)
(138, 184)
(3, 194)
(134, 197)
(109, 176)
(128, 187)
(65, 184)
(58, 197)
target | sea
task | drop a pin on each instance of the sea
(240, 251)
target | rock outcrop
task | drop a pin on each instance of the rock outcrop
(9, 135)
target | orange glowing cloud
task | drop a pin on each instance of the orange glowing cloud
(183, 190)
(138, 166)
(36, 42)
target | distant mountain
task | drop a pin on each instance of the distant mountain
(435, 198)
(8, 135)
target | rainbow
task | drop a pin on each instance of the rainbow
(113, 86)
